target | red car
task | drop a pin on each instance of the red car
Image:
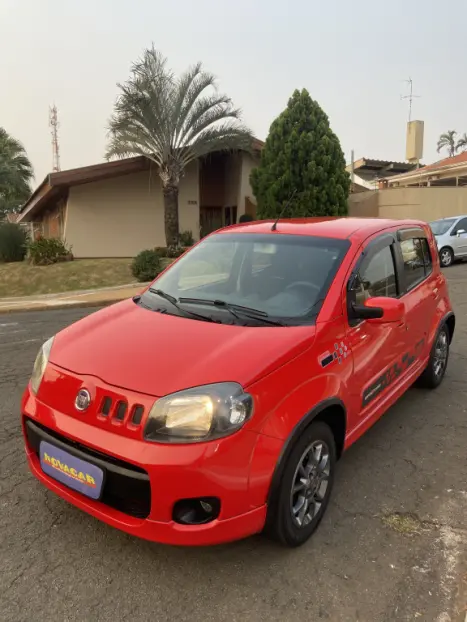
(216, 404)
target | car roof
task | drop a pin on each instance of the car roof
(340, 228)
(450, 218)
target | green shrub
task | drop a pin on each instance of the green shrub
(172, 252)
(146, 266)
(245, 218)
(186, 238)
(13, 240)
(175, 251)
(161, 251)
(45, 251)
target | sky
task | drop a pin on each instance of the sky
(352, 57)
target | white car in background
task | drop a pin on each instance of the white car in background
(451, 238)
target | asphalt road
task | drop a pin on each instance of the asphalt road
(392, 547)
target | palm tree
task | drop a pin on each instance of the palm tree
(173, 121)
(448, 141)
(16, 173)
(462, 143)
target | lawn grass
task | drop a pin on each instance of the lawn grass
(22, 279)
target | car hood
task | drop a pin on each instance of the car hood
(131, 347)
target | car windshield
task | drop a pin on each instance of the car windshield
(440, 227)
(279, 276)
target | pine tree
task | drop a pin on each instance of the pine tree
(302, 155)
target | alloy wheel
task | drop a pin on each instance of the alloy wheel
(441, 354)
(446, 258)
(310, 483)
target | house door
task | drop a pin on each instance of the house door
(210, 219)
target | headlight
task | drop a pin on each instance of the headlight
(199, 414)
(40, 364)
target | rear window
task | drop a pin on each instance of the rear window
(417, 260)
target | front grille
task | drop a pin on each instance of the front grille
(106, 405)
(126, 488)
(118, 410)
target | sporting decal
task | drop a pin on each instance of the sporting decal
(340, 353)
(391, 374)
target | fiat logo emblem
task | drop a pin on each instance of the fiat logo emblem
(83, 399)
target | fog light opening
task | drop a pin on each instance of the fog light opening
(196, 511)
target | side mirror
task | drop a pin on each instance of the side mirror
(380, 310)
(459, 232)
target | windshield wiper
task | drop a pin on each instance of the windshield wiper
(222, 303)
(234, 309)
(173, 301)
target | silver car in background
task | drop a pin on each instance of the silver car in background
(451, 238)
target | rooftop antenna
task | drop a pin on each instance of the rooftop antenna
(410, 96)
(54, 124)
(274, 226)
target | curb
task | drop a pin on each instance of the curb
(61, 306)
(72, 293)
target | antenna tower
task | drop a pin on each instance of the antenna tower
(410, 97)
(53, 124)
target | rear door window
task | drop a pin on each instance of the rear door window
(460, 226)
(417, 260)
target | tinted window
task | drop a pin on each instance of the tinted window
(461, 225)
(377, 279)
(417, 260)
(440, 227)
(427, 255)
(285, 276)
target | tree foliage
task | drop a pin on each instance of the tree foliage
(173, 121)
(448, 141)
(462, 143)
(16, 174)
(302, 165)
(13, 240)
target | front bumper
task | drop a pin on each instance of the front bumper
(145, 480)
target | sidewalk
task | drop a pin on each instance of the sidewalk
(83, 298)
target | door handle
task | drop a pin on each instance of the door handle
(435, 292)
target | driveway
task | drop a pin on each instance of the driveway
(392, 547)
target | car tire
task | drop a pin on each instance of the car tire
(438, 362)
(302, 495)
(446, 257)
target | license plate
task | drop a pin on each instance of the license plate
(75, 473)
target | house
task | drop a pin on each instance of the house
(9, 217)
(358, 187)
(444, 173)
(116, 209)
(370, 170)
(426, 193)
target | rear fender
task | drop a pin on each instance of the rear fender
(442, 315)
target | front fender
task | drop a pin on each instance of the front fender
(287, 413)
(270, 456)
